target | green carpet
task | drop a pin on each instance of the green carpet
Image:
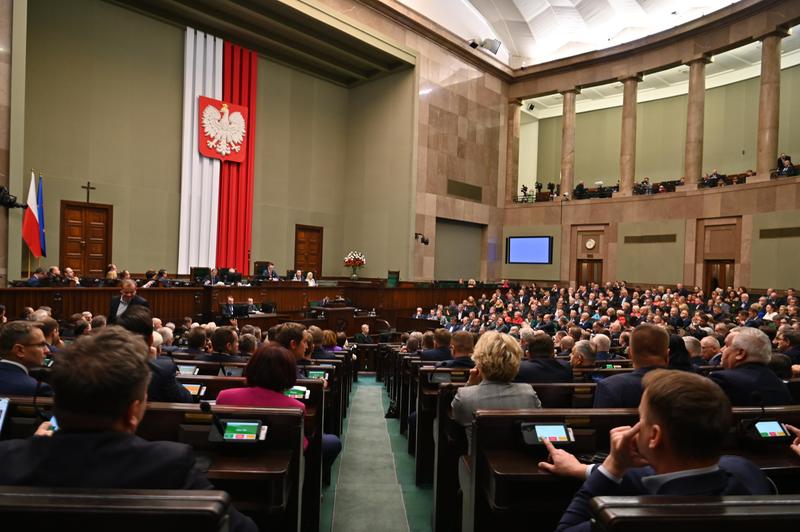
(367, 484)
(373, 479)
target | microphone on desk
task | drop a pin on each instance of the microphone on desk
(205, 406)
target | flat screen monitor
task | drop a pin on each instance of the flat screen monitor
(199, 273)
(529, 250)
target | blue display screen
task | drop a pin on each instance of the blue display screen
(529, 250)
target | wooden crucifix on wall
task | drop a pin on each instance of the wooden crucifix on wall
(88, 186)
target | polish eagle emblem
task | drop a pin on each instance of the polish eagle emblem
(223, 128)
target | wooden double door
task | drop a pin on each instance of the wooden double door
(589, 271)
(308, 249)
(86, 230)
(718, 273)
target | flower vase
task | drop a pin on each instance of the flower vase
(354, 277)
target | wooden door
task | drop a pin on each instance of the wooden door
(717, 273)
(86, 230)
(308, 249)
(589, 271)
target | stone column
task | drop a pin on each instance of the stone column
(769, 105)
(627, 150)
(6, 13)
(568, 142)
(695, 115)
(512, 152)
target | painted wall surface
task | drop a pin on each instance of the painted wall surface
(789, 132)
(660, 139)
(549, 157)
(651, 263)
(103, 104)
(774, 260)
(301, 140)
(528, 152)
(539, 272)
(731, 126)
(458, 250)
(597, 143)
(378, 205)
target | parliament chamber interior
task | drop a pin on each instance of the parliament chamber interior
(416, 265)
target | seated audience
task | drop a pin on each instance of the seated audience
(678, 354)
(101, 397)
(22, 349)
(363, 337)
(329, 341)
(694, 349)
(462, 344)
(674, 449)
(747, 379)
(649, 350)
(540, 365)
(163, 385)
(710, 351)
(318, 351)
(582, 355)
(224, 345)
(497, 357)
(247, 345)
(602, 346)
(788, 343)
(441, 351)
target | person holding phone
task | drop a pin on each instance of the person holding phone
(674, 449)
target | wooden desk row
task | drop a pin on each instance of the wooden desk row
(274, 481)
(202, 302)
(507, 486)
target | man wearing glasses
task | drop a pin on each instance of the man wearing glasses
(22, 348)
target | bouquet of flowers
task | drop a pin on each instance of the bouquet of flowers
(355, 259)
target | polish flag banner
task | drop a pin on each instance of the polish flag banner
(31, 225)
(222, 130)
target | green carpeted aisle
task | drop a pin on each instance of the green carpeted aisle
(373, 480)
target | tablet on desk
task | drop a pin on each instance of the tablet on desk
(197, 390)
(230, 371)
(3, 408)
(555, 433)
(772, 429)
(298, 392)
(317, 374)
(243, 431)
(188, 369)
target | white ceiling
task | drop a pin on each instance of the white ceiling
(537, 31)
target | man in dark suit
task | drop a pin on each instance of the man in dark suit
(101, 398)
(270, 274)
(747, 379)
(225, 345)
(789, 344)
(675, 404)
(462, 343)
(539, 364)
(163, 385)
(22, 348)
(649, 350)
(125, 301)
(363, 337)
(441, 351)
(228, 310)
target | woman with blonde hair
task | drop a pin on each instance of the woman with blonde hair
(497, 357)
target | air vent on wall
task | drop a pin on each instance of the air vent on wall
(464, 190)
(650, 239)
(780, 232)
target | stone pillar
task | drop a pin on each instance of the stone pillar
(568, 142)
(512, 152)
(6, 13)
(695, 116)
(627, 150)
(769, 105)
